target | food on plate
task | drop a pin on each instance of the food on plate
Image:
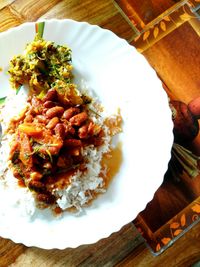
(59, 140)
(42, 64)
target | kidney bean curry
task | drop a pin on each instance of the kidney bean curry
(56, 125)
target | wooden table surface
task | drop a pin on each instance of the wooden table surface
(126, 247)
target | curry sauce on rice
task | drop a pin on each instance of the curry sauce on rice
(59, 139)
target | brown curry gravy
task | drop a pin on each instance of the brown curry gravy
(112, 162)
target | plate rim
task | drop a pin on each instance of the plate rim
(106, 234)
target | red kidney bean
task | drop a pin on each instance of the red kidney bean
(60, 130)
(52, 123)
(37, 186)
(49, 104)
(69, 130)
(51, 95)
(72, 142)
(28, 118)
(78, 119)
(55, 111)
(83, 132)
(70, 112)
(74, 151)
(46, 198)
(41, 118)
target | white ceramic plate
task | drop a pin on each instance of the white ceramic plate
(121, 77)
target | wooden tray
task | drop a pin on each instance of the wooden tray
(167, 33)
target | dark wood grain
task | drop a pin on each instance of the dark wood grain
(31, 10)
(9, 19)
(102, 13)
(106, 252)
(9, 251)
(184, 253)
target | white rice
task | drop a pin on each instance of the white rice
(77, 194)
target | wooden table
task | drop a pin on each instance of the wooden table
(126, 247)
